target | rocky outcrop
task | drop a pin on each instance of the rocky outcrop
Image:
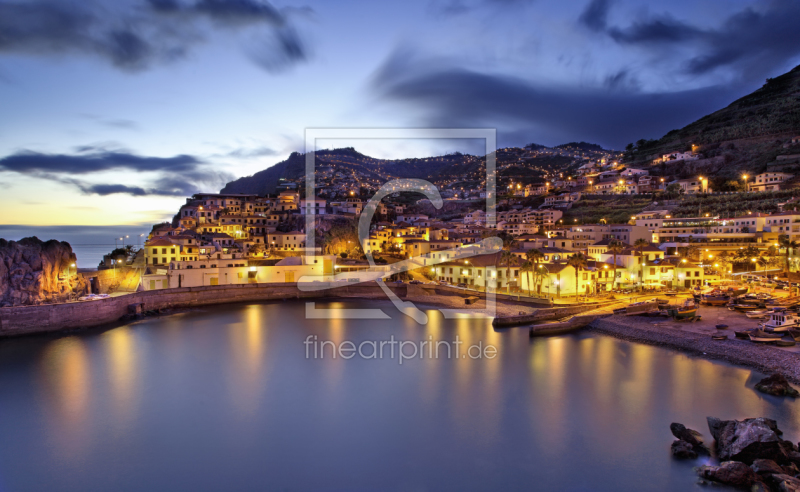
(688, 444)
(776, 385)
(748, 440)
(733, 473)
(33, 271)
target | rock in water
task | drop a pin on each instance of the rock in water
(766, 467)
(748, 440)
(785, 483)
(776, 385)
(33, 271)
(689, 436)
(733, 473)
(683, 450)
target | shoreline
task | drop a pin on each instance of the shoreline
(763, 358)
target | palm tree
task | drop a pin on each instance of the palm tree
(763, 262)
(534, 256)
(615, 247)
(577, 261)
(640, 244)
(785, 242)
(527, 267)
(506, 257)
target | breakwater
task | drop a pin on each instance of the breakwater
(27, 320)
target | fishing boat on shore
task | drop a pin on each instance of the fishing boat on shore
(715, 299)
(687, 310)
(733, 306)
(640, 308)
(763, 336)
(781, 321)
(561, 327)
(795, 334)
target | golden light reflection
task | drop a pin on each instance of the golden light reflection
(66, 369)
(66, 386)
(122, 369)
(247, 344)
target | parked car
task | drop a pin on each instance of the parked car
(462, 285)
(415, 282)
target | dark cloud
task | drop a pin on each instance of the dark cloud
(278, 51)
(28, 162)
(105, 189)
(256, 152)
(458, 7)
(595, 15)
(754, 42)
(452, 96)
(181, 175)
(135, 38)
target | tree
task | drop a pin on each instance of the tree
(527, 268)
(763, 262)
(509, 243)
(788, 245)
(640, 244)
(506, 258)
(534, 256)
(577, 261)
(673, 191)
(615, 247)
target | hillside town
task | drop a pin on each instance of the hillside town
(220, 239)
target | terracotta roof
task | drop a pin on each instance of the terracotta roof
(159, 241)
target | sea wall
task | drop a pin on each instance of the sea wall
(26, 320)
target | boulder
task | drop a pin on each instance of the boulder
(791, 469)
(776, 385)
(785, 483)
(747, 440)
(759, 487)
(766, 467)
(683, 450)
(733, 473)
(689, 436)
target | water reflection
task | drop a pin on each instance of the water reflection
(123, 371)
(66, 382)
(225, 399)
(248, 347)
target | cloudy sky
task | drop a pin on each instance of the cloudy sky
(112, 111)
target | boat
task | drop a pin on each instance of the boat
(763, 336)
(794, 334)
(743, 334)
(687, 310)
(742, 307)
(781, 321)
(714, 299)
(644, 307)
(721, 327)
(785, 343)
(719, 337)
(760, 314)
(561, 327)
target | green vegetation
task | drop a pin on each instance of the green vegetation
(733, 205)
(615, 209)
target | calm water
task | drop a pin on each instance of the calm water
(224, 399)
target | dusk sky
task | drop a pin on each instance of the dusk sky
(114, 111)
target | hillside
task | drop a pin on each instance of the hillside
(526, 165)
(743, 137)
